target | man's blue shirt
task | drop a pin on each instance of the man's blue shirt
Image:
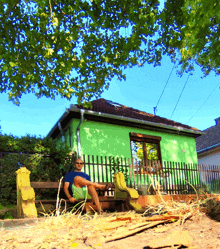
(71, 175)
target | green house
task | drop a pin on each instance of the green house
(111, 129)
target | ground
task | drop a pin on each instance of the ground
(204, 231)
(194, 224)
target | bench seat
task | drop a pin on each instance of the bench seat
(108, 198)
(118, 196)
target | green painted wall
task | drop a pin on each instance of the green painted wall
(100, 139)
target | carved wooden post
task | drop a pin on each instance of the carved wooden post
(122, 191)
(25, 194)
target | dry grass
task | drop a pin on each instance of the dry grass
(64, 229)
(73, 229)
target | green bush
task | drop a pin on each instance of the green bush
(210, 188)
(116, 166)
(215, 186)
(8, 215)
(45, 160)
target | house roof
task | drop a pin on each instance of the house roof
(210, 139)
(110, 107)
(114, 111)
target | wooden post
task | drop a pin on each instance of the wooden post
(133, 174)
(25, 194)
(129, 164)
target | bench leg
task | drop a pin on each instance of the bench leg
(123, 207)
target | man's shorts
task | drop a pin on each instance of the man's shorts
(80, 193)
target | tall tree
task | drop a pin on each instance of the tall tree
(191, 30)
(67, 48)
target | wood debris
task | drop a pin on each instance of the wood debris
(94, 230)
(84, 231)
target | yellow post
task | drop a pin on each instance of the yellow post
(25, 194)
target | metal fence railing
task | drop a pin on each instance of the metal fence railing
(171, 177)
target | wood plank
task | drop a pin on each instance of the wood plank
(103, 199)
(134, 135)
(45, 184)
(47, 201)
(56, 184)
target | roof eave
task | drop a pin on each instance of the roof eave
(208, 148)
(56, 124)
(74, 108)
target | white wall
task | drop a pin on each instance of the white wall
(213, 159)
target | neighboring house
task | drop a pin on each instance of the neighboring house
(112, 129)
(208, 145)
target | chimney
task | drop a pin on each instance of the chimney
(217, 121)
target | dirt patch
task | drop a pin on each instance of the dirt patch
(12, 224)
(167, 225)
(204, 231)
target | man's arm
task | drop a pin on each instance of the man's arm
(66, 191)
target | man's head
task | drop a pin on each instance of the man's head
(78, 165)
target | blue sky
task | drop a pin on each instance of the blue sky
(141, 90)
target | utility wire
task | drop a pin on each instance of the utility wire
(155, 108)
(180, 96)
(202, 104)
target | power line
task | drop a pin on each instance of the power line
(179, 96)
(202, 104)
(155, 108)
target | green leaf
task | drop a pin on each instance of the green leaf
(49, 42)
(12, 64)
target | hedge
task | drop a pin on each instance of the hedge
(45, 160)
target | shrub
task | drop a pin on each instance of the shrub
(45, 160)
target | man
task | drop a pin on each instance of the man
(76, 180)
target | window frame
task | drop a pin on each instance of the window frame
(146, 139)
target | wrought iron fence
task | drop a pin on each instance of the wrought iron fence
(102, 169)
(209, 177)
(168, 177)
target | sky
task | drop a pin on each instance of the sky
(141, 90)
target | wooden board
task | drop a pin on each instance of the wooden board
(54, 184)
(45, 184)
(102, 199)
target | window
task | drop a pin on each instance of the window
(144, 148)
(113, 103)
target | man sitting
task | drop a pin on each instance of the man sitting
(76, 184)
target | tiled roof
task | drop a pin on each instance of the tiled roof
(107, 106)
(211, 137)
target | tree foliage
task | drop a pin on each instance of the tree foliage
(191, 30)
(67, 48)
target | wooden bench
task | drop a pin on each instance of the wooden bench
(105, 196)
(26, 194)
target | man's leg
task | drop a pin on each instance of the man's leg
(92, 191)
(79, 182)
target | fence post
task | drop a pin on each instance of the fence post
(130, 174)
(134, 174)
(25, 194)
